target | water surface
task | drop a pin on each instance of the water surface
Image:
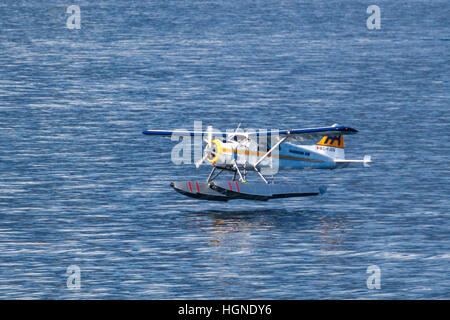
(80, 185)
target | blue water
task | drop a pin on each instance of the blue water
(80, 185)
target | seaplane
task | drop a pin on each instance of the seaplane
(265, 153)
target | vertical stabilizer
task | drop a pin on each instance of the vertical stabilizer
(332, 141)
(332, 146)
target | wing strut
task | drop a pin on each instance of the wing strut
(238, 171)
(269, 152)
(260, 174)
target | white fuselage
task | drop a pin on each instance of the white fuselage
(293, 156)
(287, 156)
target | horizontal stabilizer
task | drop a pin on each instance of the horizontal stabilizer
(367, 159)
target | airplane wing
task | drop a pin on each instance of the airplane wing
(169, 133)
(291, 134)
(307, 134)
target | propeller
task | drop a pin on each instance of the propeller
(208, 148)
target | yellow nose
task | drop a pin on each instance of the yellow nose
(215, 149)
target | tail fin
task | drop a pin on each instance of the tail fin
(332, 141)
(331, 146)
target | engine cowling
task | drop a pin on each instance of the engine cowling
(220, 153)
(226, 154)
